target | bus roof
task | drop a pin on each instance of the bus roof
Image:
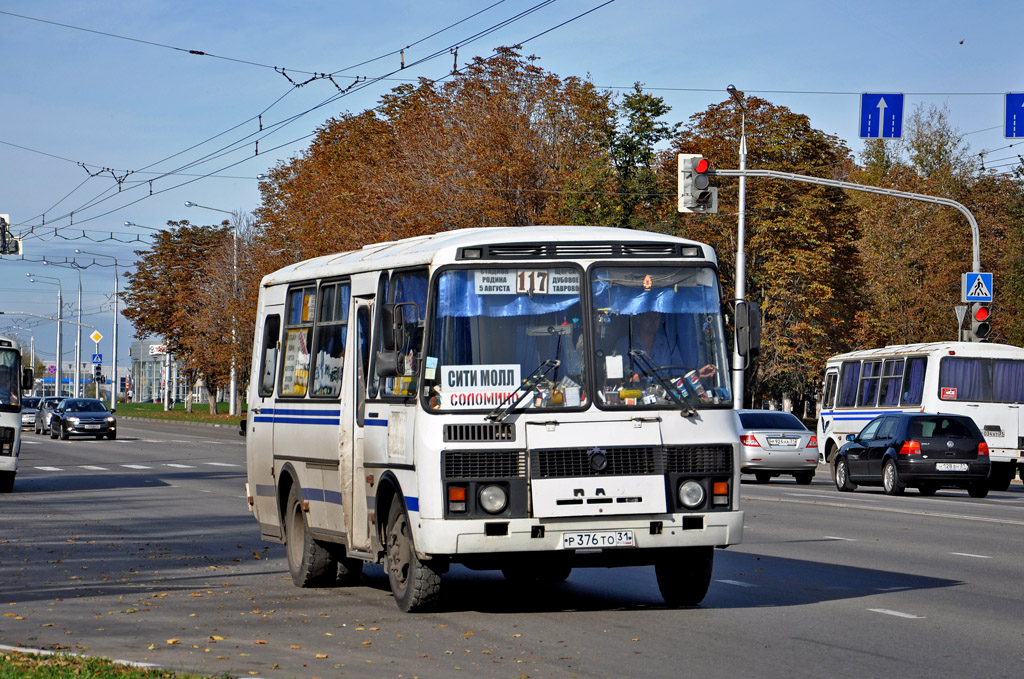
(946, 348)
(441, 248)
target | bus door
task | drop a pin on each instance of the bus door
(358, 494)
(827, 413)
(260, 436)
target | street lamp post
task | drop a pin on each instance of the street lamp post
(60, 328)
(235, 218)
(78, 330)
(113, 379)
(738, 362)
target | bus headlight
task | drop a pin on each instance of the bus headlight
(691, 494)
(493, 499)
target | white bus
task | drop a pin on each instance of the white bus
(487, 397)
(984, 381)
(13, 379)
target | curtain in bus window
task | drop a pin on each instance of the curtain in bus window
(457, 296)
(914, 381)
(892, 382)
(968, 376)
(295, 371)
(848, 388)
(1008, 381)
(869, 383)
(330, 340)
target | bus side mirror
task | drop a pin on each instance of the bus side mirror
(748, 329)
(28, 380)
(386, 364)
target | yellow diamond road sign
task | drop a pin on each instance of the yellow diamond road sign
(96, 336)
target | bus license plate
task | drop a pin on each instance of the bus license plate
(950, 467)
(598, 539)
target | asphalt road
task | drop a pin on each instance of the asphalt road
(143, 549)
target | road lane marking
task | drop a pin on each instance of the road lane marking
(835, 537)
(889, 510)
(829, 497)
(736, 582)
(973, 556)
(898, 614)
(222, 464)
(94, 468)
(136, 466)
(49, 469)
(180, 466)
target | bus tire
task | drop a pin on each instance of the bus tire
(349, 571)
(891, 483)
(685, 575)
(1001, 476)
(763, 477)
(415, 584)
(927, 489)
(309, 563)
(7, 481)
(978, 489)
(804, 478)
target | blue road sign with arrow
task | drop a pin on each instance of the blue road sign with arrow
(881, 115)
(1014, 126)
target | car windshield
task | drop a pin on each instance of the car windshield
(770, 420)
(658, 328)
(85, 407)
(30, 402)
(941, 427)
(493, 328)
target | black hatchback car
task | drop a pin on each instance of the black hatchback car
(923, 450)
(82, 417)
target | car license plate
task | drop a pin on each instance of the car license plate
(598, 539)
(950, 466)
(92, 426)
(776, 441)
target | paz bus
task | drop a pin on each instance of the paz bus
(485, 397)
(13, 379)
(984, 381)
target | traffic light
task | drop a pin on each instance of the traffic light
(97, 372)
(9, 243)
(981, 325)
(695, 192)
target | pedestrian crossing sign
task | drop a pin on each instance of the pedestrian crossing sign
(977, 287)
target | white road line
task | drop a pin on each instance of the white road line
(222, 464)
(49, 469)
(898, 614)
(829, 497)
(136, 466)
(889, 510)
(180, 466)
(973, 556)
(736, 582)
(94, 468)
(835, 537)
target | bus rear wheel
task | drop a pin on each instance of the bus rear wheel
(7, 481)
(415, 584)
(309, 563)
(685, 575)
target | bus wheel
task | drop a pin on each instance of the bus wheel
(7, 482)
(685, 575)
(309, 563)
(1001, 476)
(415, 585)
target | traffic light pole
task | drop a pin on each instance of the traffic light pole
(788, 176)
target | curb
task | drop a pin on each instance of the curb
(187, 423)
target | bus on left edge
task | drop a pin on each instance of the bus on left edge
(13, 379)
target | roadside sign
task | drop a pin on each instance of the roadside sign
(1014, 120)
(97, 358)
(976, 287)
(881, 115)
(51, 369)
(96, 336)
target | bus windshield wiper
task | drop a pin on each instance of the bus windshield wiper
(649, 368)
(510, 401)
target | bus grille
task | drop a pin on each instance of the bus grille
(698, 459)
(631, 461)
(483, 464)
(482, 432)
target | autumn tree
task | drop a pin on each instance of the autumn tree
(800, 244)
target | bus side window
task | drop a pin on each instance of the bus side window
(298, 331)
(870, 372)
(848, 384)
(268, 361)
(913, 381)
(830, 391)
(331, 334)
(408, 291)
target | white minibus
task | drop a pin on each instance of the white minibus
(984, 381)
(13, 379)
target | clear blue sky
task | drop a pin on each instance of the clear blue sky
(85, 112)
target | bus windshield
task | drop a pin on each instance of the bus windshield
(658, 329)
(493, 328)
(10, 380)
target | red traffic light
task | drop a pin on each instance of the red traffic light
(981, 313)
(702, 166)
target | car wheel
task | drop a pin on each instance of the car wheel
(684, 575)
(977, 489)
(841, 475)
(891, 479)
(112, 435)
(762, 477)
(36, 428)
(309, 563)
(53, 431)
(64, 434)
(927, 489)
(804, 478)
(415, 584)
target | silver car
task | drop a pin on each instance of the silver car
(46, 406)
(29, 407)
(773, 443)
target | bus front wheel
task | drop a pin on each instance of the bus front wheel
(685, 575)
(415, 584)
(309, 563)
(7, 482)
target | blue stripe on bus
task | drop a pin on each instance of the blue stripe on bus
(375, 423)
(412, 504)
(298, 411)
